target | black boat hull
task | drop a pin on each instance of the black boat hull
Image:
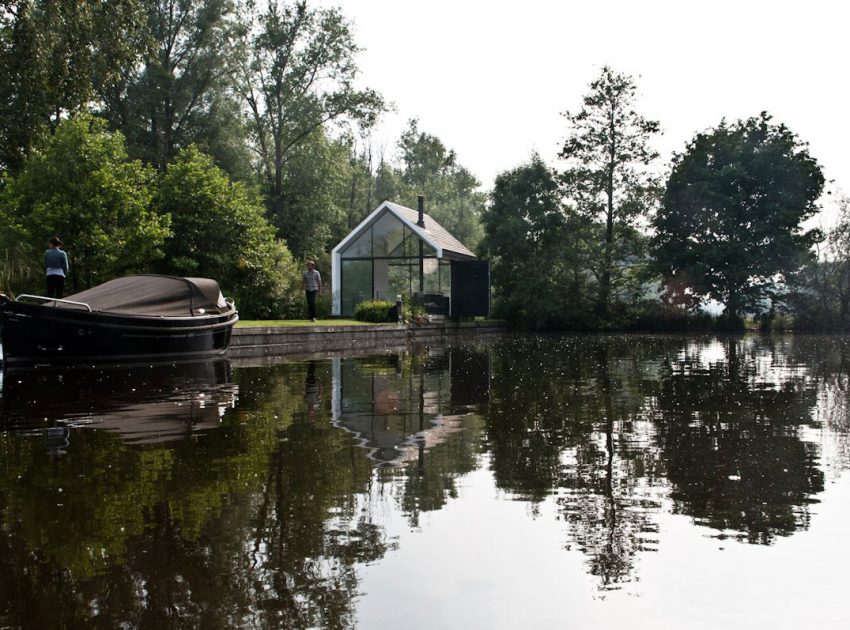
(34, 333)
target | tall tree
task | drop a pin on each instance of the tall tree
(315, 193)
(607, 175)
(532, 242)
(178, 95)
(53, 56)
(220, 231)
(819, 293)
(730, 221)
(81, 185)
(432, 169)
(298, 77)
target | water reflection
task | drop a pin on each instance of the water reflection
(730, 429)
(141, 404)
(209, 496)
(400, 406)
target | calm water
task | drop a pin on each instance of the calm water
(534, 482)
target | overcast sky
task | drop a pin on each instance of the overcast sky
(491, 78)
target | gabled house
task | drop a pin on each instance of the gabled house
(400, 251)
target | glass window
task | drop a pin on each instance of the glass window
(356, 284)
(431, 269)
(411, 246)
(403, 278)
(361, 247)
(445, 278)
(411, 243)
(387, 235)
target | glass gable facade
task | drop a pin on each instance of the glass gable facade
(388, 259)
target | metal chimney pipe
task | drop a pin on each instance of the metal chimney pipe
(420, 205)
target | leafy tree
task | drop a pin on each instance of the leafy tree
(178, 95)
(607, 174)
(313, 216)
(819, 293)
(533, 244)
(730, 222)
(297, 78)
(53, 56)
(430, 168)
(82, 186)
(220, 231)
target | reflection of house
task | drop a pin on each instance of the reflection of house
(399, 251)
(398, 412)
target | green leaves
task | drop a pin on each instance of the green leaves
(607, 176)
(82, 186)
(53, 55)
(220, 231)
(730, 223)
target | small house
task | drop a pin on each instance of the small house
(397, 251)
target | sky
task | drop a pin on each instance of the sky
(491, 79)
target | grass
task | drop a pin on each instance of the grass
(249, 323)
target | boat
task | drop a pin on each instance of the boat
(134, 318)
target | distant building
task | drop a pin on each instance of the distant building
(399, 251)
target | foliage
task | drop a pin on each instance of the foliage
(53, 55)
(82, 186)
(178, 95)
(429, 168)
(312, 217)
(535, 247)
(730, 222)
(819, 293)
(607, 175)
(20, 266)
(220, 231)
(296, 307)
(373, 311)
(296, 77)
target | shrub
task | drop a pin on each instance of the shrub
(297, 307)
(373, 311)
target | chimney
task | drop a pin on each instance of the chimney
(420, 205)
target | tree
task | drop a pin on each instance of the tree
(179, 94)
(298, 77)
(220, 231)
(53, 56)
(819, 293)
(313, 216)
(533, 243)
(730, 222)
(82, 186)
(607, 174)
(430, 168)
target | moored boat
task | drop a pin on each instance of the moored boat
(145, 317)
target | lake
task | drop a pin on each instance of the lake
(517, 481)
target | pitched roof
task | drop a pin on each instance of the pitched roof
(432, 232)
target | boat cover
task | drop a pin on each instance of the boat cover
(154, 296)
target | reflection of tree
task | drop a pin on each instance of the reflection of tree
(827, 359)
(729, 432)
(566, 420)
(255, 523)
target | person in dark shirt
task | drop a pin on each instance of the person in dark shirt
(56, 263)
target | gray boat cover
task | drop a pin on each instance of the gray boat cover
(154, 296)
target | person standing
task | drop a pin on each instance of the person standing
(56, 262)
(312, 286)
